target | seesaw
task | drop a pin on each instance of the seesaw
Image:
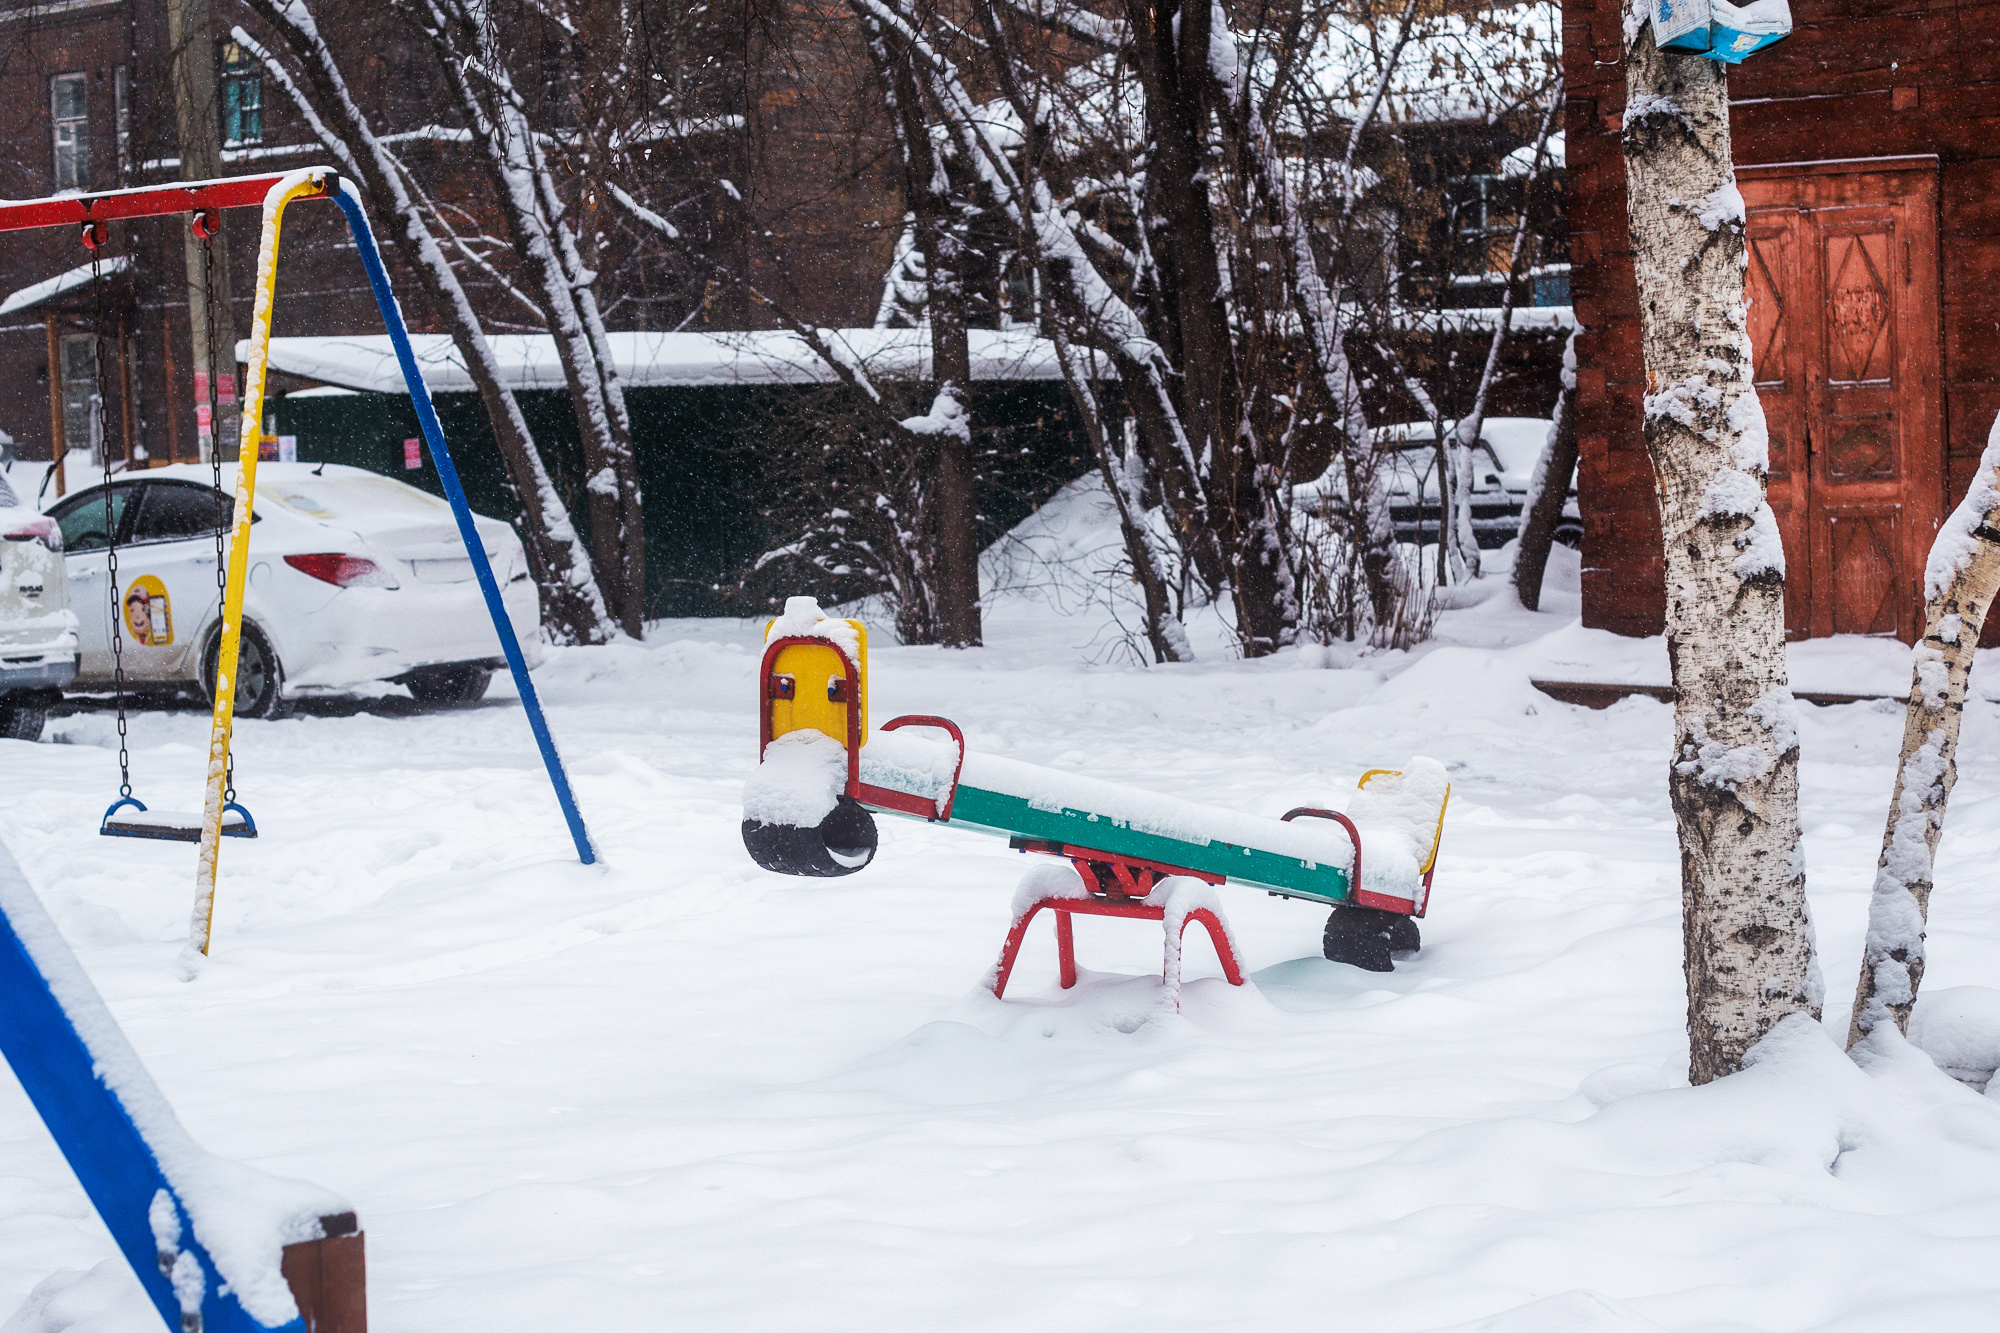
(822, 777)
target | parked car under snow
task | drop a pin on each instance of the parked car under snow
(1503, 465)
(354, 578)
(38, 632)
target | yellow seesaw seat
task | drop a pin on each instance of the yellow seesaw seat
(1408, 804)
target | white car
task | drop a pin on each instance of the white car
(1503, 465)
(38, 633)
(354, 578)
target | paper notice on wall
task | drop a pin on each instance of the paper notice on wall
(1735, 31)
(1720, 29)
(413, 454)
(288, 448)
(1681, 25)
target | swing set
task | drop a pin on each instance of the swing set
(128, 817)
(203, 202)
(165, 1202)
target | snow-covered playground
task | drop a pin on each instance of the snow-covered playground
(675, 1091)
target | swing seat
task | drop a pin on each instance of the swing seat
(170, 825)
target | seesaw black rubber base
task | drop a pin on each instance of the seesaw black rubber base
(840, 844)
(1368, 937)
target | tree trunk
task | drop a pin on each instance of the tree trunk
(1960, 581)
(472, 60)
(1549, 491)
(572, 608)
(1733, 777)
(940, 235)
(1174, 60)
(1081, 296)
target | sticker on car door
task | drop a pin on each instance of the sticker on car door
(149, 612)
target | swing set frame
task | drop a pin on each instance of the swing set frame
(203, 202)
(108, 1117)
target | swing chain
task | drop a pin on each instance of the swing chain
(95, 235)
(207, 225)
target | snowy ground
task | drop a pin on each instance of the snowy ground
(679, 1092)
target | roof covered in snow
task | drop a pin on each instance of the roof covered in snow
(1454, 67)
(660, 360)
(49, 288)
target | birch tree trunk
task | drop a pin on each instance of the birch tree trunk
(1371, 528)
(1960, 581)
(465, 37)
(573, 609)
(1078, 292)
(938, 220)
(1548, 492)
(1733, 776)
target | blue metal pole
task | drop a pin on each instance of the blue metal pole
(420, 397)
(90, 1121)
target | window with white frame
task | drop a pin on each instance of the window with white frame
(81, 425)
(242, 97)
(69, 105)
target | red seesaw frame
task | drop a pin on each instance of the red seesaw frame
(1117, 886)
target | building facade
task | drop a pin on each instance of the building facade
(102, 357)
(1868, 151)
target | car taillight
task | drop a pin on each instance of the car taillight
(343, 571)
(43, 530)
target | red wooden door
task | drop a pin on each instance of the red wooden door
(1843, 293)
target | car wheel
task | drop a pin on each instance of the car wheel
(1569, 533)
(260, 677)
(448, 686)
(22, 717)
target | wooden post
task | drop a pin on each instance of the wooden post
(173, 393)
(58, 441)
(125, 389)
(329, 1277)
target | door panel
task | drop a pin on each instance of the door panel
(1843, 318)
(167, 573)
(1861, 546)
(1771, 288)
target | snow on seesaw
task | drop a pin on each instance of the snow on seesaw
(676, 1091)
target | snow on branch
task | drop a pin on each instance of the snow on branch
(1074, 21)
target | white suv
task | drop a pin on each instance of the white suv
(38, 639)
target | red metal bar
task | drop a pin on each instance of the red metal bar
(1355, 892)
(1065, 908)
(943, 814)
(143, 201)
(1090, 855)
(888, 798)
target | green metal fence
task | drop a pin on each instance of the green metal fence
(699, 464)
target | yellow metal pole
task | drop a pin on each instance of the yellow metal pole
(302, 184)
